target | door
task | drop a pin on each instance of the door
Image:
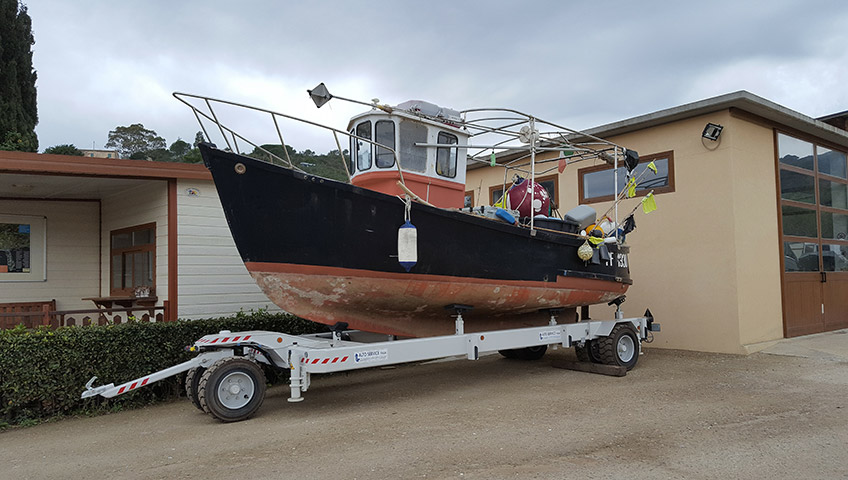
(813, 185)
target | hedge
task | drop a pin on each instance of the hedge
(44, 371)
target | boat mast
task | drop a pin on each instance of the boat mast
(615, 181)
(532, 183)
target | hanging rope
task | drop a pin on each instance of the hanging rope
(407, 207)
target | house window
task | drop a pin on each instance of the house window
(133, 254)
(597, 184)
(469, 199)
(446, 156)
(550, 182)
(384, 134)
(813, 205)
(495, 194)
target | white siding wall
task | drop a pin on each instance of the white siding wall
(212, 280)
(72, 254)
(139, 205)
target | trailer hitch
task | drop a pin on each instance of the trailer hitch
(93, 391)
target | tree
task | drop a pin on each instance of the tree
(134, 139)
(18, 109)
(179, 150)
(66, 149)
(198, 139)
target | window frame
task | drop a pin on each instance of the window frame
(492, 191)
(370, 145)
(452, 153)
(124, 251)
(382, 151)
(817, 208)
(468, 194)
(644, 159)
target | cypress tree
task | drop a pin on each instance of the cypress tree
(18, 109)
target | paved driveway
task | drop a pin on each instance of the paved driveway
(676, 415)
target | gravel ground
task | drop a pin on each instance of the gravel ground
(676, 415)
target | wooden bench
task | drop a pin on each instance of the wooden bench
(32, 314)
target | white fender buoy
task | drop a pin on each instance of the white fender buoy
(407, 245)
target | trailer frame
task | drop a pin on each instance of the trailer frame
(235, 384)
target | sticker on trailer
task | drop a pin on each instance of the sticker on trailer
(550, 335)
(368, 356)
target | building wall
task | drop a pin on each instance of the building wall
(706, 262)
(757, 240)
(212, 279)
(139, 205)
(72, 253)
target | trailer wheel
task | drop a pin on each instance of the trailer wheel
(621, 347)
(526, 353)
(232, 389)
(590, 352)
(532, 353)
(192, 384)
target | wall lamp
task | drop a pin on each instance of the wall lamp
(712, 131)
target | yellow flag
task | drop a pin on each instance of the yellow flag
(595, 240)
(631, 188)
(652, 167)
(649, 204)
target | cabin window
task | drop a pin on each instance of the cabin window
(384, 134)
(446, 156)
(412, 157)
(133, 254)
(597, 183)
(363, 148)
(351, 158)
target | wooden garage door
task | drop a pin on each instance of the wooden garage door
(813, 185)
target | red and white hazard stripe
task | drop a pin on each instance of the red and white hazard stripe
(133, 386)
(224, 339)
(323, 361)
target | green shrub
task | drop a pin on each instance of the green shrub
(44, 371)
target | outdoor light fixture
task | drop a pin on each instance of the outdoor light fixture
(712, 131)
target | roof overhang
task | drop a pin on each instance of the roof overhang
(63, 177)
(742, 100)
(46, 164)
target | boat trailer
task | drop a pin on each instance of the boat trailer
(226, 381)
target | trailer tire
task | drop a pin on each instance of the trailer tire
(232, 389)
(590, 352)
(621, 347)
(531, 353)
(511, 353)
(526, 353)
(192, 384)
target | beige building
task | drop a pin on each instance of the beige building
(93, 153)
(750, 239)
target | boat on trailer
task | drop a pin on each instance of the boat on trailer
(394, 251)
(394, 246)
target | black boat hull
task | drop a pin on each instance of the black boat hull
(327, 251)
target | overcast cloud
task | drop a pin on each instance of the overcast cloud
(102, 64)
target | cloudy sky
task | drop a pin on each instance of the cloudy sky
(581, 64)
